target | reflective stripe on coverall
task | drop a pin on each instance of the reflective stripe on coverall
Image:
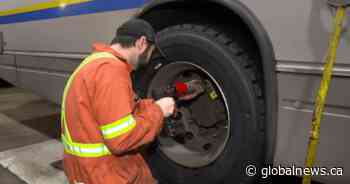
(102, 126)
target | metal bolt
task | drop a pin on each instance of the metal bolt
(207, 146)
(189, 135)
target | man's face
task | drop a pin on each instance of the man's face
(145, 57)
(143, 52)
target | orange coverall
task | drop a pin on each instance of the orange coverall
(101, 93)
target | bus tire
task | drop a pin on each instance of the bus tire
(238, 75)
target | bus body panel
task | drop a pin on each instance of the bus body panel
(40, 55)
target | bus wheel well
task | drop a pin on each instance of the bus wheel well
(178, 13)
(189, 12)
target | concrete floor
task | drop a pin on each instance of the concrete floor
(8, 178)
(25, 120)
(29, 149)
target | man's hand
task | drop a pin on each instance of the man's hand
(167, 104)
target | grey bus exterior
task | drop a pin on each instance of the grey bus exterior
(286, 41)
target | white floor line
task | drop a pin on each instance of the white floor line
(33, 163)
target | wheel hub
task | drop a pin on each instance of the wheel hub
(199, 132)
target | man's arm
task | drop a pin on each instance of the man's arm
(122, 128)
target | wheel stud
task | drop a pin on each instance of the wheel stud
(189, 135)
(207, 146)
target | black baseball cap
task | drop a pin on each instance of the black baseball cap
(136, 28)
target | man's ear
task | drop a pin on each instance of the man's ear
(142, 43)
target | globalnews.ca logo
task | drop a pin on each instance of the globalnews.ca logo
(265, 172)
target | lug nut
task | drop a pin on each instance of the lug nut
(207, 146)
(189, 135)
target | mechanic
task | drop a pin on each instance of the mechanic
(103, 127)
